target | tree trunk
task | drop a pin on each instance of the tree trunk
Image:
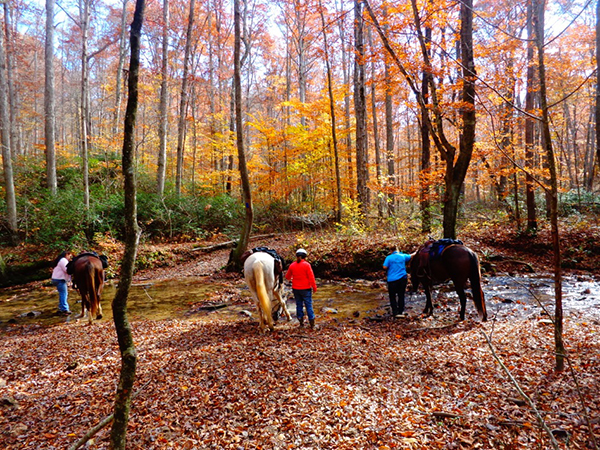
(13, 102)
(529, 125)
(455, 173)
(559, 348)
(183, 101)
(346, 77)
(84, 7)
(121, 64)
(425, 147)
(360, 110)
(234, 263)
(9, 185)
(380, 200)
(338, 185)
(389, 132)
(597, 108)
(164, 99)
(50, 121)
(119, 305)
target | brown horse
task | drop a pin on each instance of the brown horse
(88, 277)
(457, 263)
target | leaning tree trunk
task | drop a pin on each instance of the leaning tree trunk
(119, 305)
(559, 346)
(50, 123)
(234, 263)
(9, 185)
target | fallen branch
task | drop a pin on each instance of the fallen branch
(522, 394)
(108, 419)
(445, 415)
(229, 244)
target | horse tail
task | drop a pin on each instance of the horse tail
(92, 293)
(264, 300)
(475, 277)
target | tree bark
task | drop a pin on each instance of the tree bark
(183, 101)
(84, 7)
(360, 110)
(376, 142)
(9, 185)
(121, 64)
(597, 108)
(539, 7)
(13, 102)
(425, 146)
(164, 99)
(119, 305)
(49, 116)
(234, 263)
(456, 172)
(389, 132)
(529, 124)
(346, 78)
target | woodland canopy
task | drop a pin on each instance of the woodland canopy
(300, 171)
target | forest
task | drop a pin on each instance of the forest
(171, 136)
(334, 124)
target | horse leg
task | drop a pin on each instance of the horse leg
(463, 300)
(428, 311)
(90, 307)
(80, 316)
(99, 283)
(277, 293)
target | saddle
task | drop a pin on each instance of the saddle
(438, 247)
(279, 265)
(71, 264)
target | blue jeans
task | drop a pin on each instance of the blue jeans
(63, 294)
(303, 297)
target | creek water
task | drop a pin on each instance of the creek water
(200, 298)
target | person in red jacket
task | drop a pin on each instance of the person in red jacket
(303, 285)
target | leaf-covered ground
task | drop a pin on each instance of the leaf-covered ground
(347, 385)
(351, 384)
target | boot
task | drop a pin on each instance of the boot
(301, 319)
(312, 323)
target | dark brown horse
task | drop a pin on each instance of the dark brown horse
(88, 277)
(456, 262)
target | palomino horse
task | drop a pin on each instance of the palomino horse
(259, 272)
(456, 262)
(88, 276)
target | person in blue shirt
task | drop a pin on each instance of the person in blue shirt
(395, 265)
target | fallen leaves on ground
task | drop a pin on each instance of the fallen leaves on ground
(349, 384)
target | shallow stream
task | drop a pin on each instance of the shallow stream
(204, 299)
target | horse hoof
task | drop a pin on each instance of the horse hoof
(99, 316)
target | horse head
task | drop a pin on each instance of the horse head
(418, 266)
